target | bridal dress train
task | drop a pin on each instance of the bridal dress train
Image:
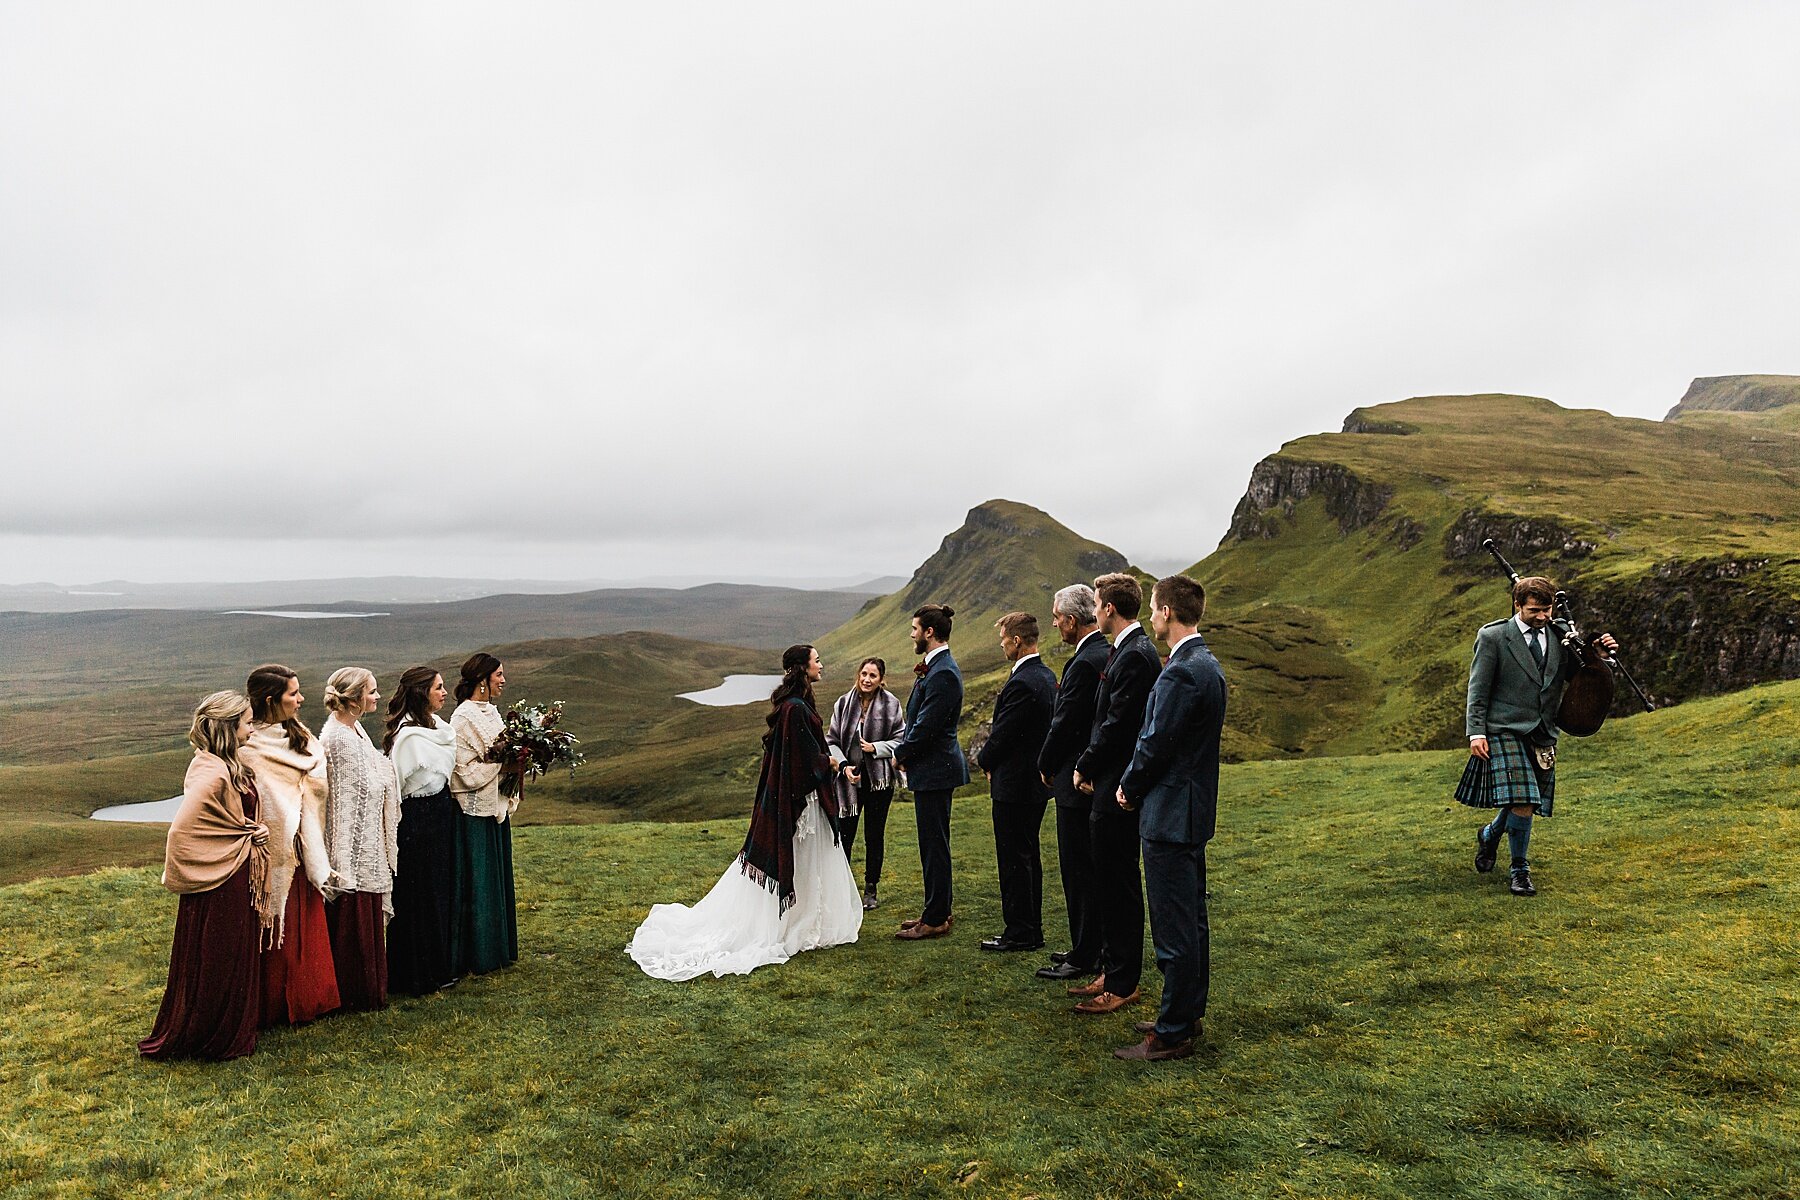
(739, 925)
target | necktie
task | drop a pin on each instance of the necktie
(1537, 647)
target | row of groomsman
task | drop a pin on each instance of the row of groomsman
(1128, 749)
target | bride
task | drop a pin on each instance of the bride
(790, 888)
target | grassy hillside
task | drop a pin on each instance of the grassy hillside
(1384, 1022)
(1738, 393)
(95, 685)
(1683, 537)
(1006, 556)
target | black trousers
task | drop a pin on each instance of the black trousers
(876, 805)
(1175, 884)
(1075, 855)
(1119, 891)
(931, 810)
(1016, 849)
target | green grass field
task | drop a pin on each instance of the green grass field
(1384, 1022)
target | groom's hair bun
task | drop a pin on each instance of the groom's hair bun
(935, 619)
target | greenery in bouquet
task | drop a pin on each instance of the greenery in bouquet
(530, 744)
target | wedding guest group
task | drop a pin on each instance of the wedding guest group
(293, 852)
(1129, 750)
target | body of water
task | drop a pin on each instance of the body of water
(298, 615)
(148, 810)
(737, 689)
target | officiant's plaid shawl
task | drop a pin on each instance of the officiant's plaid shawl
(1509, 777)
(850, 725)
(795, 766)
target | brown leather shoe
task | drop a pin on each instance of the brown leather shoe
(915, 931)
(1092, 987)
(1106, 1002)
(1144, 1026)
(1154, 1049)
(909, 923)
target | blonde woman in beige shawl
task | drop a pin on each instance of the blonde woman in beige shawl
(299, 980)
(217, 861)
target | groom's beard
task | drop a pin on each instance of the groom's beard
(920, 646)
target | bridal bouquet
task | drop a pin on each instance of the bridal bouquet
(530, 744)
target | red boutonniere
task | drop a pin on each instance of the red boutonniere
(919, 668)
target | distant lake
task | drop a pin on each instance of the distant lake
(149, 810)
(297, 615)
(737, 689)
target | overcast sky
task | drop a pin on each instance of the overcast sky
(588, 290)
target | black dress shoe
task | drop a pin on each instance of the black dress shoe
(1001, 944)
(1521, 882)
(1058, 957)
(1064, 970)
(1485, 852)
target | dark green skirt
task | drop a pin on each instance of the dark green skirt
(490, 932)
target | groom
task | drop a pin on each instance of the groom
(933, 762)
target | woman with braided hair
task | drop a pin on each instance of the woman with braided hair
(790, 888)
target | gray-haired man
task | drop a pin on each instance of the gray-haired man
(1075, 614)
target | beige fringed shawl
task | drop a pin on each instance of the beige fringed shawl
(291, 792)
(211, 838)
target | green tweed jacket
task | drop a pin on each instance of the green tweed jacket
(1507, 692)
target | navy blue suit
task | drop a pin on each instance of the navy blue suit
(1009, 756)
(1173, 782)
(1070, 727)
(935, 768)
(1125, 685)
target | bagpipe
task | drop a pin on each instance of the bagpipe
(1589, 696)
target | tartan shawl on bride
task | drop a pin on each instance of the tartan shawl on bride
(794, 767)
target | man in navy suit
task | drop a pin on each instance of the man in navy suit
(1118, 713)
(933, 762)
(1009, 759)
(1173, 784)
(1074, 612)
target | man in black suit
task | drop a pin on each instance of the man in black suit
(934, 764)
(1125, 684)
(1009, 759)
(1173, 784)
(1075, 616)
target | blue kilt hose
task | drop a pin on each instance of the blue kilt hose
(1509, 778)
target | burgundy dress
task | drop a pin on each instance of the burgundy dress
(212, 1005)
(299, 982)
(358, 921)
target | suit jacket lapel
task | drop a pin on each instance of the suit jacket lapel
(1515, 642)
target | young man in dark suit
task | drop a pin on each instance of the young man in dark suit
(1009, 759)
(1125, 684)
(933, 761)
(1074, 612)
(1516, 683)
(1173, 785)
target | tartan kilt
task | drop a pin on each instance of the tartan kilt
(1510, 777)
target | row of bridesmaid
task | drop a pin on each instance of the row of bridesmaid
(317, 872)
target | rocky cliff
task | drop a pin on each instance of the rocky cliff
(1738, 393)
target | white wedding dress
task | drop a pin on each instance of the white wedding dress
(738, 926)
